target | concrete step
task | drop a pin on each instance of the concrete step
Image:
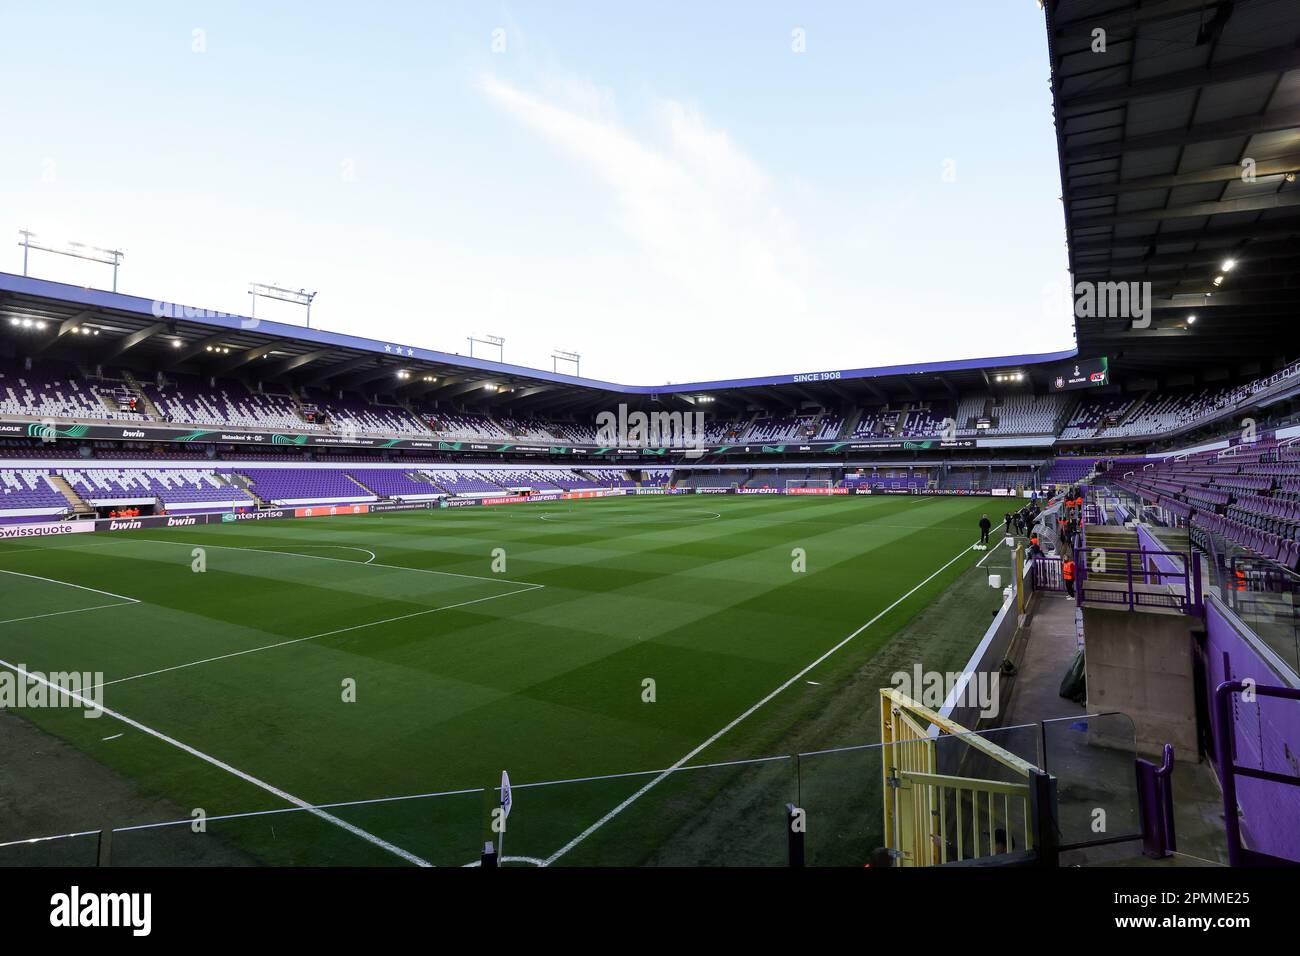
(143, 401)
(356, 482)
(246, 483)
(60, 484)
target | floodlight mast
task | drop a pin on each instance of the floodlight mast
(294, 297)
(574, 358)
(74, 250)
(495, 341)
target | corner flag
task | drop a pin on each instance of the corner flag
(507, 801)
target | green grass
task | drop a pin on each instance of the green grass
(472, 671)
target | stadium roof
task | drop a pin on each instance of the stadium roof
(1156, 132)
(170, 337)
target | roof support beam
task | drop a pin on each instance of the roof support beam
(194, 348)
(226, 366)
(1257, 231)
(1199, 177)
(1128, 17)
(342, 368)
(128, 342)
(296, 362)
(1233, 128)
(66, 327)
(1276, 60)
(1223, 207)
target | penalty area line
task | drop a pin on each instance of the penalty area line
(322, 557)
(731, 726)
(312, 637)
(122, 599)
(69, 584)
(222, 765)
(75, 610)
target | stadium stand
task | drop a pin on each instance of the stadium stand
(391, 483)
(53, 390)
(27, 494)
(1092, 414)
(186, 399)
(1015, 414)
(172, 488)
(305, 485)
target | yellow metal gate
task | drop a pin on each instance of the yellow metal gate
(933, 818)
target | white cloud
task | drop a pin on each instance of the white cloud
(703, 213)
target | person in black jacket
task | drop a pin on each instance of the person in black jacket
(985, 525)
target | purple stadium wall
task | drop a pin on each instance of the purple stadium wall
(1267, 737)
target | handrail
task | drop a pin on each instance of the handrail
(948, 726)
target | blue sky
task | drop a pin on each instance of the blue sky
(676, 193)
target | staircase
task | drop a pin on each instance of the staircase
(499, 427)
(406, 406)
(107, 401)
(425, 476)
(297, 404)
(241, 481)
(896, 426)
(742, 433)
(850, 422)
(77, 503)
(143, 402)
(1111, 539)
(368, 491)
(1129, 413)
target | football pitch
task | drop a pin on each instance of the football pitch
(347, 691)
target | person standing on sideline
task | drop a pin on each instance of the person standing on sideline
(1067, 574)
(985, 526)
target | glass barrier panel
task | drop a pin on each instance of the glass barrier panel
(438, 829)
(1092, 758)
(730, 814)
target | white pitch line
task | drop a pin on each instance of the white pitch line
(222, 765)
(530, 860)
(321, 557)
(78, 610)
(69, 584)
(710, 515)
(336, 547)
(981, 561)
(312, 637)
(712, 740)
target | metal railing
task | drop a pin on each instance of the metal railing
(1141, 578)
(933, 818)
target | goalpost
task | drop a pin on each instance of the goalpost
(808, 483)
